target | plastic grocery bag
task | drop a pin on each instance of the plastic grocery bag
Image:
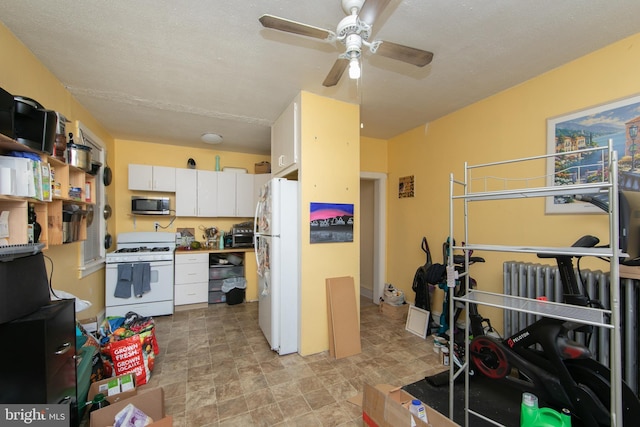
(233, 283)
(129, 344)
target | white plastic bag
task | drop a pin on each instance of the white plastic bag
(393, 296)
(81, 304)
(232, 283)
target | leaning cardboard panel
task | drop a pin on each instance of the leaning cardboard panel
(332, 347)
(342, 309)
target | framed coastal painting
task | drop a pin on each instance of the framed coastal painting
(618, 122)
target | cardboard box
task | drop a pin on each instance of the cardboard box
(112, 388)
(385, 405)
(150, 401)
(398, 312)
(263, 167)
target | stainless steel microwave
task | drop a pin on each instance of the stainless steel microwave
(150, 205)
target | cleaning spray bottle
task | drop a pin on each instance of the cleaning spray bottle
(532, 416)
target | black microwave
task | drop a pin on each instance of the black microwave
(150, 205)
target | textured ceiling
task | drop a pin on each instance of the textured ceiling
(167, 71)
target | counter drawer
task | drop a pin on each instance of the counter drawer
(225, 272)
(191, 293)
(190, 273)
(192, 258)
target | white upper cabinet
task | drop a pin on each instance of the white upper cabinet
(152, 178)
(258, 181)
(208, 193)
(245, 206)
(285, 140)
(196, 192)
(235, 194)
(187, 192)
(217, 194)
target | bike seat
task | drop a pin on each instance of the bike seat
(585, 241)
(459, 259)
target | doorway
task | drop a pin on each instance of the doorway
(373, 187)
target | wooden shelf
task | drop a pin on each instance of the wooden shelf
(49, 213)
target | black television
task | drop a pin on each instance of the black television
(24, 286)
(629, 226)
(628, 221)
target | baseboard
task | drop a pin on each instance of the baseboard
(366, 292)
(188, 307)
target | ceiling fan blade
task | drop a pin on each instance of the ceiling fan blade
(371, 9)
(406, 54)
(282, 24)
(336, 72)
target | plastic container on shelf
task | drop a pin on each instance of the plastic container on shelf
(533, 416)
(417, 409)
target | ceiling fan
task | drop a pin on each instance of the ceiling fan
(353, 32)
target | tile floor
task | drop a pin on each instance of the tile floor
(216, 369)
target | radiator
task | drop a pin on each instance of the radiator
(533, 280)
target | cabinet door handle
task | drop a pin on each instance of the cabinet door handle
(63, 348)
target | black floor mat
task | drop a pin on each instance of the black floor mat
(488, 397)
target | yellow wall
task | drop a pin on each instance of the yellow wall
(511, 124)
(373, 155)
(25, 75)
(373, 158)
(329, 172)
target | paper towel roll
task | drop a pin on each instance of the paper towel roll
(7, 178)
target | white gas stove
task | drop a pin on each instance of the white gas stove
(139, 274)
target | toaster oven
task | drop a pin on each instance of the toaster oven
(242, 235)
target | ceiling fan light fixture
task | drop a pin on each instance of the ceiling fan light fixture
(354, 69)
(211, 138)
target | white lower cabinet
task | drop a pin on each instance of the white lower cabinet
(191, 278)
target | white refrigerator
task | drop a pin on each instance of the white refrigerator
(277, 242)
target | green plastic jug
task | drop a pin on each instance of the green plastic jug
(532, 416)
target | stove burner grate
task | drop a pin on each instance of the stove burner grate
(143, 249)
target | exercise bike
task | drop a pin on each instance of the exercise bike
(459, 266)
(562, 374)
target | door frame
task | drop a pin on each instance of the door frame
(379, 226)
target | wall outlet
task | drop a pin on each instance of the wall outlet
(156, 225)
